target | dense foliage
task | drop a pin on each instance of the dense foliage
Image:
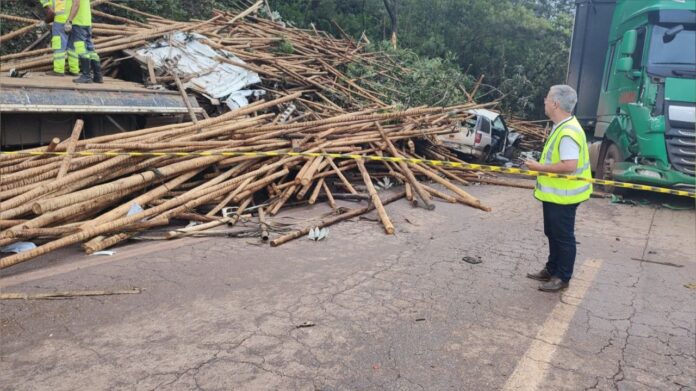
(422, 81)
(521, 46)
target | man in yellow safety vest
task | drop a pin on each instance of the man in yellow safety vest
(79, 25)
(565, 152)
(57, 11)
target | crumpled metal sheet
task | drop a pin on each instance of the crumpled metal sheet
(189, 56)
(239, 99)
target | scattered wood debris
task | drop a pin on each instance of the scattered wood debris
(310, 106)
(534, 132)
(65, 295)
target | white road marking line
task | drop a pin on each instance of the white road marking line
(531, 369)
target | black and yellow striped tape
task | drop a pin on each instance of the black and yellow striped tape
(439, 163)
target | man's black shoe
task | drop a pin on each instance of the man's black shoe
(555, 284)
(543, 275)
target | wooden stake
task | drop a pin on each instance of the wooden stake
(72, 141)
(184, 96)
(333, 220)
(407, 172)
(388, 226)
(465, 198)
(263, 224)
(67, 294)
(315, 193)
(329, 196)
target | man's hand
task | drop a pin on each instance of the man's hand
(533, 165)
(67, 27)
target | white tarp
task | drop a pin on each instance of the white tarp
(189, 56)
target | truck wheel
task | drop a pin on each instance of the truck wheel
(608, 160)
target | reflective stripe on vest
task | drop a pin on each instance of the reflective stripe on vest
(581, 169)
(562, 192)
(565, 191)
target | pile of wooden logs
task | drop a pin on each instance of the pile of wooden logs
(288, 59)
(195, 171)
(77, 198)
(534, 132)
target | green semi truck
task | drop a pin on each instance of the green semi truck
(633, 63)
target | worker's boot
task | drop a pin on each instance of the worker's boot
(555, 284)
(85, 74)
(543, 275)
(54, 73)
(96, 70)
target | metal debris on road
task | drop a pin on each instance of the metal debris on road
(472, 260)
(105, 252)
(317, 234)
(18, 247)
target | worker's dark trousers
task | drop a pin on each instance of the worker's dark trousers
(559, 227)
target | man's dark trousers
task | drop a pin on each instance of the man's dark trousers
(559, 227)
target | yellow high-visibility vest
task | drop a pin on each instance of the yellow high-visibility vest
(565, 191)
(62, 10)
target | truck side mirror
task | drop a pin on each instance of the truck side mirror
(628, 43)
(624, 64)
(628, 47)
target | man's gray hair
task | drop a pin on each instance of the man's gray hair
(565, 96)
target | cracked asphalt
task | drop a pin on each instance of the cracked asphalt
(401, 312)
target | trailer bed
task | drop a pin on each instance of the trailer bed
(39, 93)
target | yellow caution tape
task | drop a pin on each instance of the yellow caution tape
(437, 163)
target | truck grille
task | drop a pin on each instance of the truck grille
(680, 137)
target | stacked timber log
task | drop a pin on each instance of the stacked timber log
(534, 133)
(198, 170)
(98, 194)
(288, 59)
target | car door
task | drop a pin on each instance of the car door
(483, 126)
(499, 132)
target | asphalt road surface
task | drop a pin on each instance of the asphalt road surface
(399, 312)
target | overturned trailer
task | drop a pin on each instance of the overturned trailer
(37, 108)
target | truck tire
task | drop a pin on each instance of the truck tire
(607, 161)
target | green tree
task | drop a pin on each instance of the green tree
(520, 45)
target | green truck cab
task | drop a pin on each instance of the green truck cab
(633, 63)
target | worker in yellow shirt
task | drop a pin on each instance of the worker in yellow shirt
(57, 11)
(79, 25)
